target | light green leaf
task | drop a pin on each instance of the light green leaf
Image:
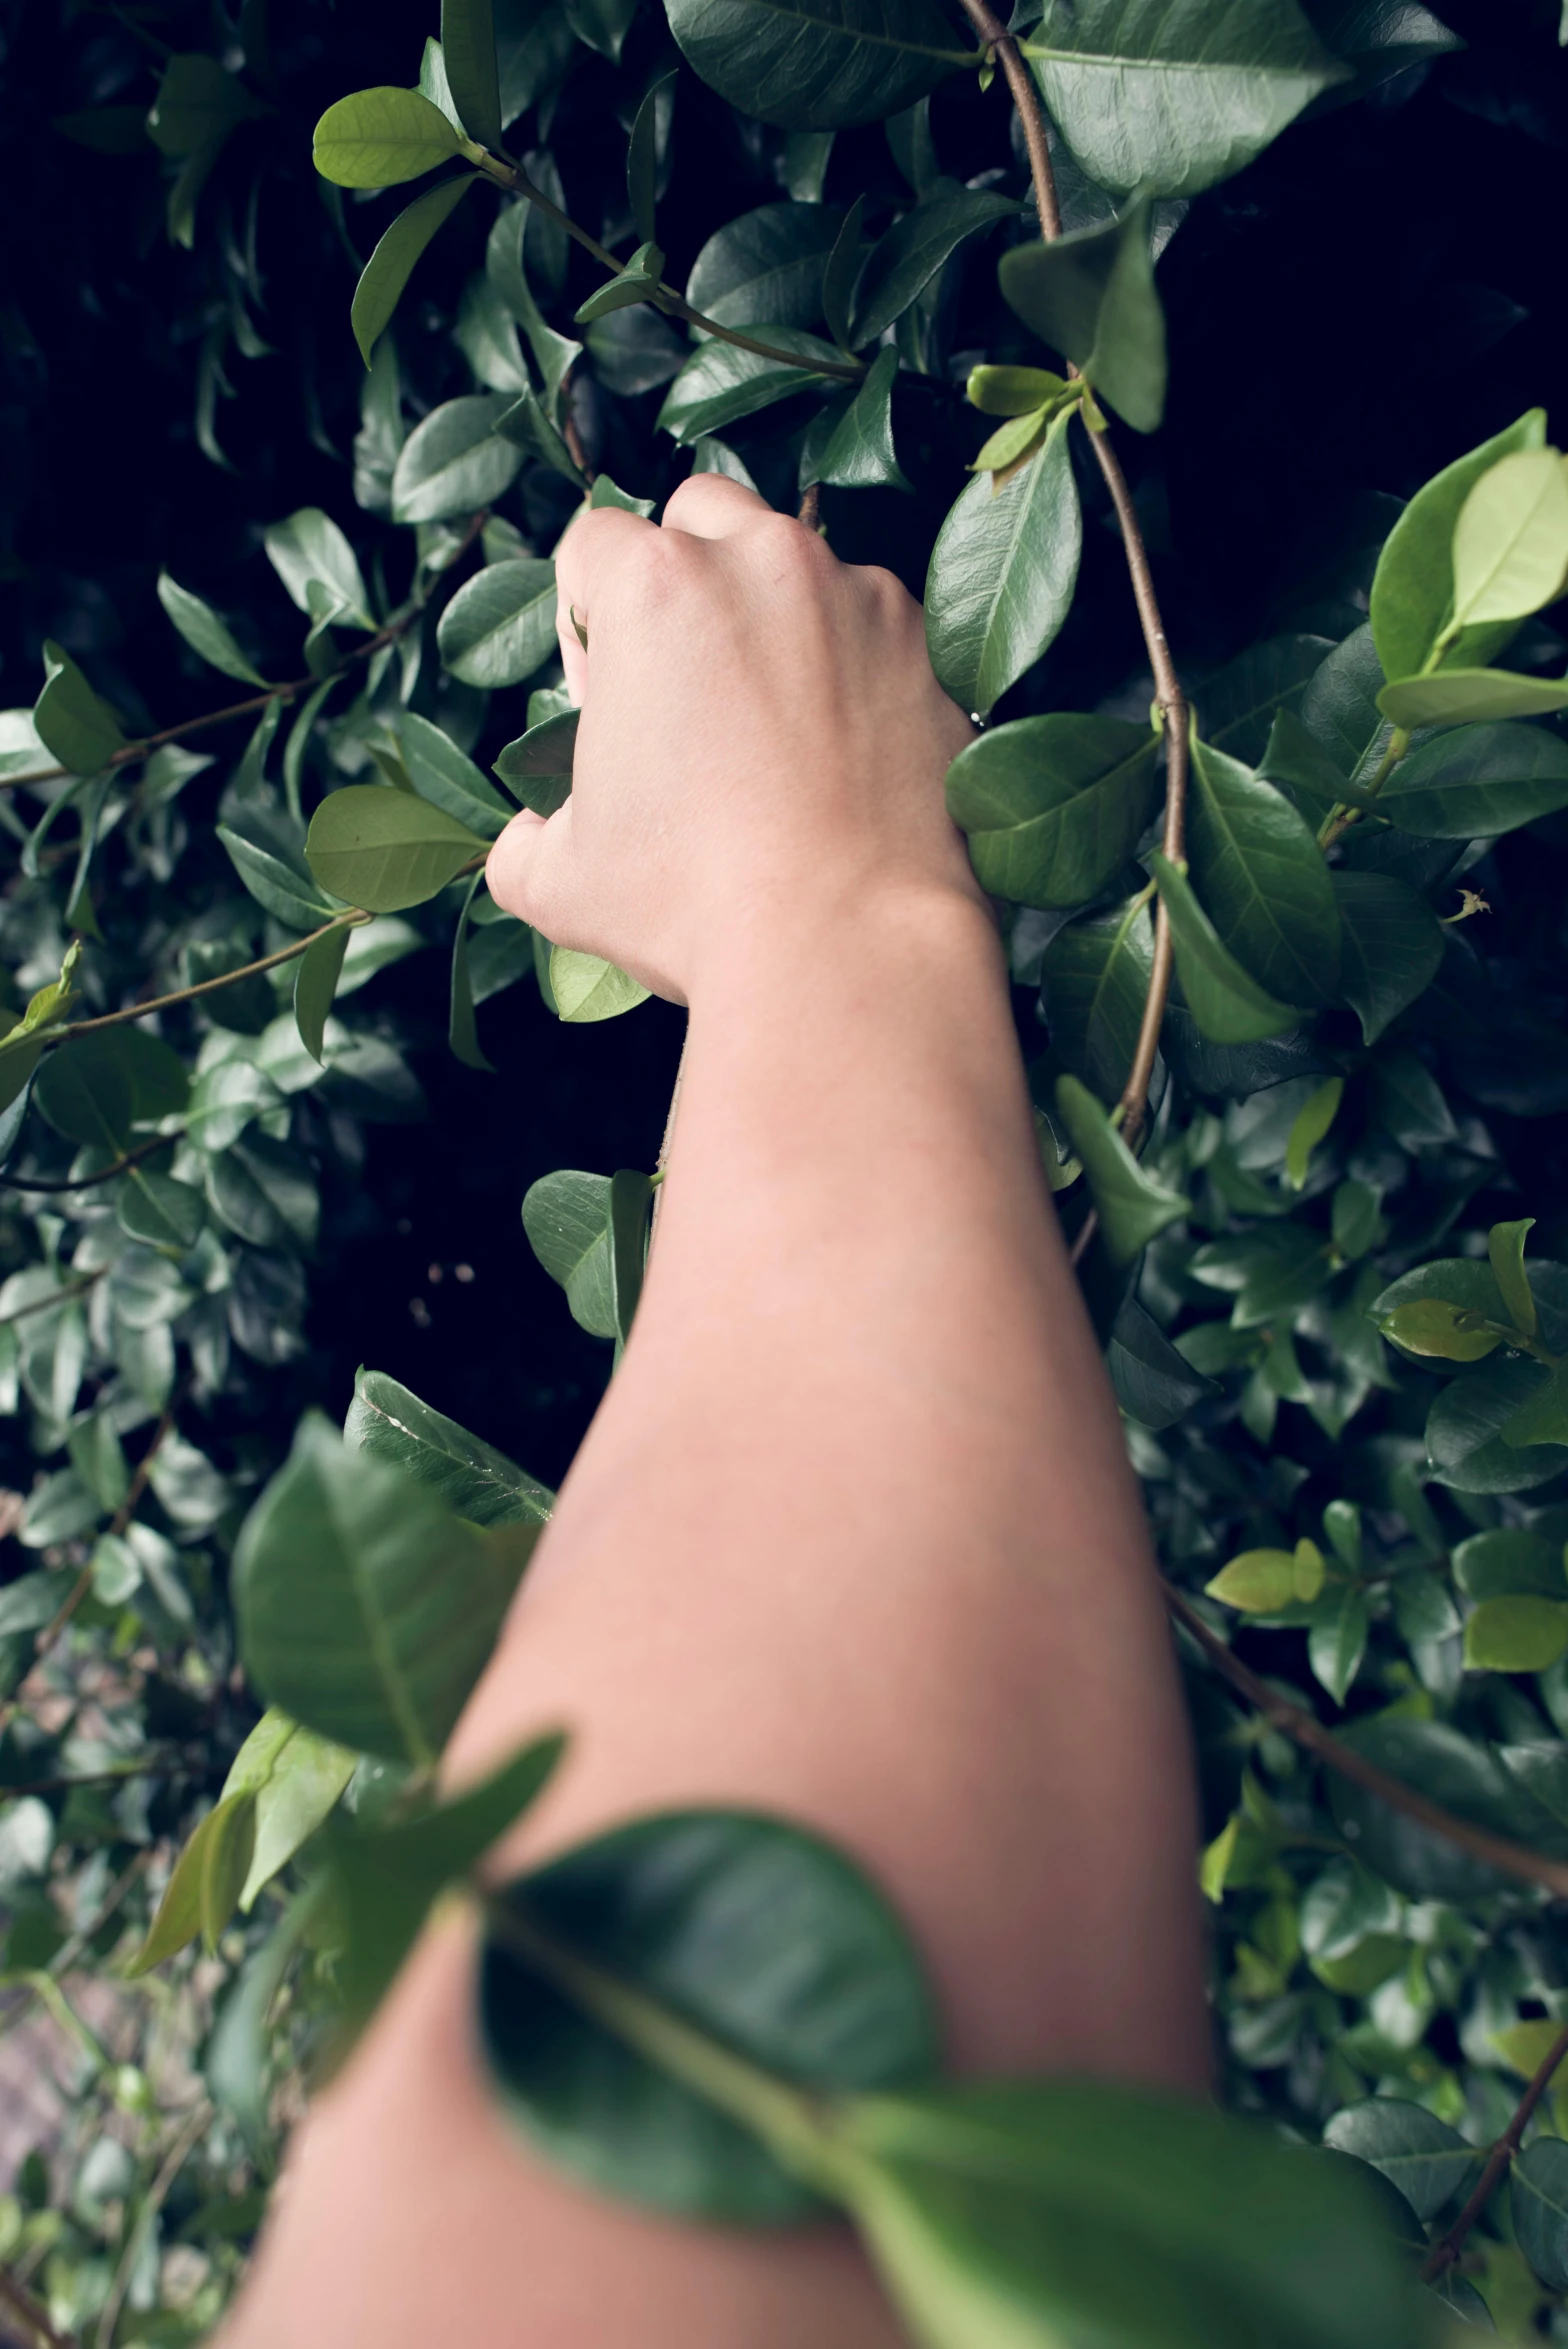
(468, 48)
(448, 778)
(586, 987)
(1456, 696)
(1013, 391)
(1505, 1252)
(1054, 806)
(386, 849)
(500, 626)
(1090, 295)
(1478, 781)
(860, 452)
(1010, 443)
(1257, 1582)
(1511, 540)
(387, 272)
(1516, 1635)
(1002, 576)
(1413, 587)
(1312, 1122)
(1434, 1327)
(640, 277)
(1172, 95)
(204, 632)
(295, 1779)
(1225, 1000)
(1391, 944)
(473, 1478)
(1095, 981)
(75, 725)
(588, 1233)
(766, 267)
(378, 137)
(1261, 878)
(719, 384)
(366, 1608)
(902, 264)
(1133, 1205)
(455, 461)
(315, 984)
(203, 1892)
(310, 547)
(817, 64)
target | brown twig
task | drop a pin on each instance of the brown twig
(1167, 686)
(31, 2316)
(1448, 2247)
(58, 1297)
(86, 1182)
(1493, 1851)
(249, 970)
(174, 2161)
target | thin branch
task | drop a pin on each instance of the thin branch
(59, 1296)
(175, 2160)
(85, 1183)
(31, 2316)
(1447, 2249)
(162, 1765)
(249, 970)
(1493, 1851)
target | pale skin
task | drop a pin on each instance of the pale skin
(853, 1537)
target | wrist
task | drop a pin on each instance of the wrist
(779, 937)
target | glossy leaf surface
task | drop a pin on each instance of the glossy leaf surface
(1053, 807)
(1002, 576)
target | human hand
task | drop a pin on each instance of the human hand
(762, 743)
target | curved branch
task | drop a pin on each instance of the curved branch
(85, 1183)
(1447, 2249)
(267, 962)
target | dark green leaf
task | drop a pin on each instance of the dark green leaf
(766, 267)
(1408, 1102)
(475, 1480)
(268, 855)
(1539, 2206)
(75, 725)
(387, 272)
(384, 849)
(1477, 781)
(1427, 2160)
(1508, 1563)
(107, 130)
(1450, 1770)
(158, 1210)
(1090, 295)
(315, 985)
(817, 64)
(1173, 98)
(197, 105)
(1261, 879)
(1544, 1418)
(1296, 758)
(1390, 947)
(902, 264)
(1272, 1271)
(1464, 1438)
(553, 353)
(1413, 590)
(455, 461)
(1154, 1384)
(1133, 1205)
(1225, 1000)
(367, 1610)
(642, 153)
(1454, 697)
(843, 268)
(639, 277)
(500, 627)
(719, 384)
(602, 24)
(204, 632)
(1095, 979)
(630, 1194)
(86, 1090)
(468, 48)
(462, 1030)
(1337, 1641)
(859, 452)
(1054, 806)
(693, 1912)
(1238, 706)
(444, 775)
(528, 428)
(1002, 575)
(265, 1192)
(538, 765)
(1339, 707)
(378, 137)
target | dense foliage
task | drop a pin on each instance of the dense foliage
(1288, 947)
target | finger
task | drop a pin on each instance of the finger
(525, 869)
(597, 543)
(711, 505)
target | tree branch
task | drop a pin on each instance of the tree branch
(58, 1297)
(30, 2316)
(135, 1011)
(174, 2161)
(85, 1183)
(1447, 2249)
(1493, 1851)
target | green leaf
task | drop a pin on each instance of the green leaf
(1337, 1642)
(86, 1091)
(528, 428)
(1507, 1563)
(1413, 588)
(1478, 781)
(1261, 879)
(203, 1892)
(1002, 576)
(75, 725)
(1024, 2215)
(315, 984)
(688, 1915)
(455, 462)
(1538, 2205)
(444, 775)
(468, 48)
(366, 1608)
(204, 632)
(538, 765)
(1132, 1204)
(1516, 1635)
(1464, 1431)
(553, 353)
(1225, 1000)
(766, 268)
(1095, 980)
(843, 268)
(1013, 391)
(295, 1779)
(1258, 1582)
(1391, 945)
(383, 849)
(1456, 1280)
(1242, 701)
(1312, 1122)
(1054, 806)
(1090, 295)
(268, 855)
(817, 64)
(1442, 1331)
(642, 154)
(107, 130)
(159, 1211)
(474, 1479)
(1408, 1102)
(588, 1232)
(198, 104)
(264, 1192)
(378, 137)
(308, 548)
(1010, 443)
(587, 988)
(719, 384)
(1427, 2160)
(1174, 97)
(1455, 696)
(639, 277)
(602, 24)
(1450, 1770)
(902, 264)
(500, 627)
(387, 272)
(1510, 552)
(1544, 1418)
(1505, 1251)
(630, 1195)
(462, 1030)
(860, 452)
(1154, 1384)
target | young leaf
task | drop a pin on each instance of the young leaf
(1225, 1000)
(1090, 295)
(1258, 1582)
(474, 1479)
(1054, 806)
(719, 384)
(384, 849)
(538, 765)
(315, 984)
(448, 778)
(902, 264)
(500, 626)
(766, 268)
(204, 1890)
(1511, 540)
(455, 461)
(387, 272)
(854, 61)
(1413, 587)
(1477, 782)
(295, 1779)
(1505, 1251)
(75, 725)
(204, 632)
(1312, 1122)
(860, 453)
(1013, 391)
(585, 987)
(639, 277)
(1261, 878)
(1132, 1204)
(1002, 576)
(1172, 100)
(366, 1609)
(1010, 443)
(378, 137)
(1391, 945)
(462, 1030)
(1454, 697)
(1516, 1635)
(468, 49)
(1433, 1327)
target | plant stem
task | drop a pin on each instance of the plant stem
(1493, 1851)
(174, 2162)
(59, 1297)
(1447, 2249)
(30, 2316)
(268, 962)
(1167, 686)
(85, 1183)
(1339, 819)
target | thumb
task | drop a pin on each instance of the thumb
(528, 869)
